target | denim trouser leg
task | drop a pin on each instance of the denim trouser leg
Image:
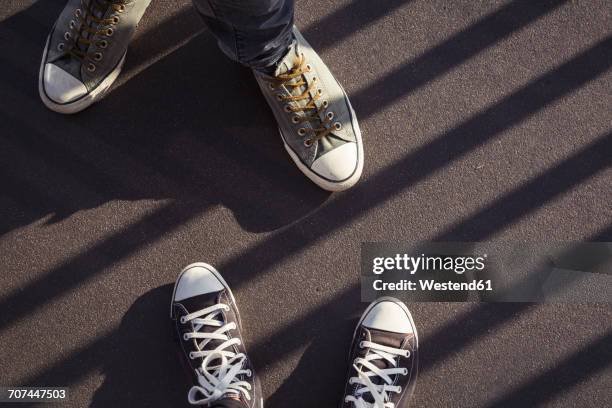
(255, 33)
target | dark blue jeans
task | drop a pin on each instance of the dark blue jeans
(255, 33)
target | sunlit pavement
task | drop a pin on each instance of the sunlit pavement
(481, 122)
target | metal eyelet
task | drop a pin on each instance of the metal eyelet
(337, 125)
(271, 86)
(91, 67)
(279, 97)
(98, 56)
(72, 24)
(60, 47)
(287, 108)
(330, 115)
(325, 104)
(308, 67)
(314, 79)
(121, 8)
(405, 371)
(77, 12)
(67, 36)
(115, 20)
(103, 44)
(301, 131)
(361, 344)
(185, 337)
(191, 357)
(295, 119)
(249, 373)
(320, 91)
(182, 320)
(109, 32)
(307, 142)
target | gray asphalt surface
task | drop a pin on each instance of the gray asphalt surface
(481, 120)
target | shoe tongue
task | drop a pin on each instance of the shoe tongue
(288, 63)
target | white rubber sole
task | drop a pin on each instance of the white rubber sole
(83, 102)
(322, 182)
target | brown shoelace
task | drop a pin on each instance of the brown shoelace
(321, 127)
(82, 30)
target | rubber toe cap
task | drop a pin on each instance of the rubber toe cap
(60, 86)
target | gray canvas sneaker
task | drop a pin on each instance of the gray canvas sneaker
(85, 51)
(316, 120)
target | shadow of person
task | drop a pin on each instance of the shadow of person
(190, 127)
(141, 366)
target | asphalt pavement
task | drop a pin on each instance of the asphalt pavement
(481, 121)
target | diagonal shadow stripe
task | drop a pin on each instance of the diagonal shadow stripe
(342, 23)
(450, 53)
(85, 266)
(571, 371)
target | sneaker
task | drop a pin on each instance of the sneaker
(208, 328)
(384, 358)
(85, 51)
(316, 120)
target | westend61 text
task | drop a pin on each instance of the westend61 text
(432, 285)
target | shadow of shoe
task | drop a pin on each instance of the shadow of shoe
(141, 365)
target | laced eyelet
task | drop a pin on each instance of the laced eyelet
(109, 32)
(405, 371)
(287, 108)
(185, 337)
(307, 142)
(98, 56)
(279, 97)
(182, 320)
(408, 354)
(330, 115)
(295, 119)
(121, 8)
(399, 391)
(249, 373)
(301, 131)
(361, 344)
(60, 47)
(337, 125)
(191, 357)
(67, 36)
(115, 20)
(91, 67)
(103, 44)
(346, 399)
(227, 308)
(351, 382)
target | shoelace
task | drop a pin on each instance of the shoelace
(216, 380)
(379, 392)
(81, 29)
(293, 79)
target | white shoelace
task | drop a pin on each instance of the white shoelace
(379, 392)
(220, 379)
